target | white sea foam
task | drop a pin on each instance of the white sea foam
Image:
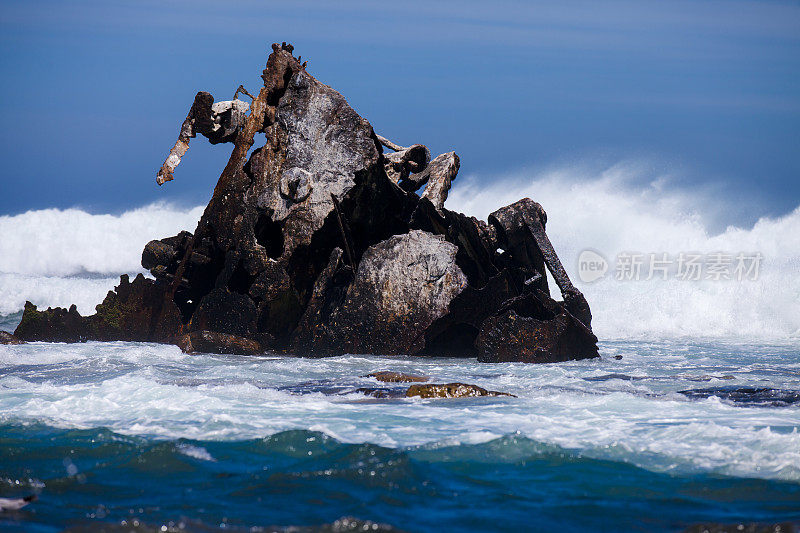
(56, 242)
(606, 212)
(55, 257)
(195, 452)
(44, 291)
(146, 389)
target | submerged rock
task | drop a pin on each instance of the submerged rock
(382, 393)
(432, 390)
(318, 244)
(451, 390)
(388, 376)
(221, 343)
(747, 396)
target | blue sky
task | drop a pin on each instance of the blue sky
(706, 92)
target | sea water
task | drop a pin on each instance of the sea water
(697, 422)
(122, 432)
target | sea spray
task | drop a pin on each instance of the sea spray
(56, 257)
(623, 209)
(603, 211)
(70, 242)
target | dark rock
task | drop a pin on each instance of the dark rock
(329, 291)
(52, 325)
(382, 393)
(451, 390)
(454, 334)
(402, 285)
(157, 253)
(708, 377)
(515, 225)
(8, 338)
(534, 328)
(748, 396)
(134, 311)
(277, 300)
(510, 337)
(316, 243)
(226, 312)
(387, 376)
(513, 236)
(221, 343)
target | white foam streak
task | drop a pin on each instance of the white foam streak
(195, 452)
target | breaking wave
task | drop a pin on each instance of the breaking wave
(57, 257)
(608, 212)
(68, 242)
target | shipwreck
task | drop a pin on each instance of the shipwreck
(316, 244)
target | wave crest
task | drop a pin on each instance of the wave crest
(42, 252)
(68, 242)
(606, 211)
(57, 257)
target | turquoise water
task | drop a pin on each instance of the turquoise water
(306, 478)
(113, 433)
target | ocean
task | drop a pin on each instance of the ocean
(692, 415)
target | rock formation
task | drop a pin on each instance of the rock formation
(318, 244)
(8, 338)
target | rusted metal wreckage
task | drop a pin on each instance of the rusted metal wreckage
(317, 244)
